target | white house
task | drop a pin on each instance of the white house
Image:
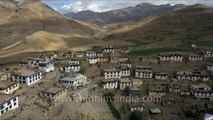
(26, 76)
(178, 88)
(124, 83)
(194, 57)
(209, 67)
(109, 83)
(125, 63)
(74, 62)
(90, 54)
(161, 76)
(201, 90)
(7, 87)
(71, 68)
(7, 103)
(93, 60)
(136, 106)
(74, 81)
(192, 76)
(112, 73)
(125, 71)
(34, 62)
(207, 52)
(144, 72)
(171, 58)
(46, 66)
(109, 49)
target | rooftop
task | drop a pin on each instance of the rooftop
(5, 98)
(111, 70)
(54, 90)
(124, 80)
(74, 77)
(5, 84)
(23, 71)
(110, 80)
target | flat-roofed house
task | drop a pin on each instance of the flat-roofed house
(125, 63)
(109, 83)
(26, 76)
(54, 93)
(8, 87)
(93, 60)
(73, 66)
(34, 62)
(201, 90)
(125, 71)
(195, 57)
(109, 49)
(103, 59)
(207, 52)
(209, 67)
(144, 72)
(171, 57)
(112, 73)
(74, 81)
(179, 88)
(46, 66)
(90, 54)
(157, 89)
(8, 103)
(192, 76)
(124, 83)
(136, 106)
(161, 76)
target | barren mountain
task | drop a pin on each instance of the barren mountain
(192, 25)
(19, 20)
(124, 15)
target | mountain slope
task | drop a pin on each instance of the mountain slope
(124, 15)
(193, 24)
(31, 16)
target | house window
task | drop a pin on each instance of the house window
(8, 103)
(2, 112)
(2, 107)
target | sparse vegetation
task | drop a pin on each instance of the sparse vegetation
(115, 112)
(147, 52)
(136, 115)
(190, 114)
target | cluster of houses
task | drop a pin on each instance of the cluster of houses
(123, 76)
(175, 57)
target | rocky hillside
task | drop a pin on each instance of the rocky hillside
(192, 25)
(124, 15)
(22, 19)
